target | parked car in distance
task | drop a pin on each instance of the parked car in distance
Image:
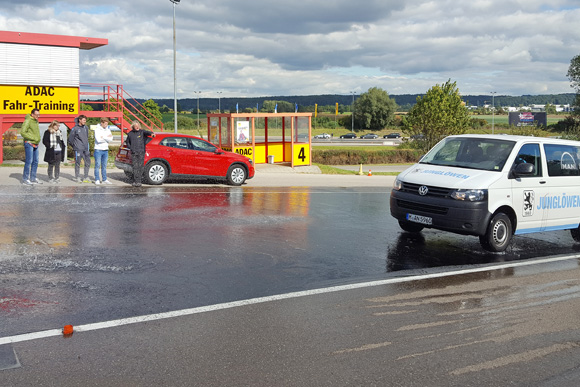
(418, 137)
(392, 135)
(371, 136)
(181, 155)
(322, 136)
(348, 135)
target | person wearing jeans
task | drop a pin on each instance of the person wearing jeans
(103, 137)
(79, 140)
(30, 133)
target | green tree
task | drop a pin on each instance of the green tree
(441, 112)
(151, 110)
(550, 109)
(374, 109)
(283, 106)
(574, 73)
(574, 77)
(183, 123)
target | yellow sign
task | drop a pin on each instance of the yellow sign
(301, 154)
(47, 99)
(244, 151)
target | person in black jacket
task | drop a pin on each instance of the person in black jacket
(136, 142)
(79, 140)
(55, 150)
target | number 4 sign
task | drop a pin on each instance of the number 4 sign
(301, 154)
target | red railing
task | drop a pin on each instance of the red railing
(113, 102)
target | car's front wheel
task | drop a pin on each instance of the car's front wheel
(156, 173)
(236, 175)
(498, 234)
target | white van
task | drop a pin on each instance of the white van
(492, 186)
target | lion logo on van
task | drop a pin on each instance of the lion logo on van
(529, 199)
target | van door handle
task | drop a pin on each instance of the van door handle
(543, 182)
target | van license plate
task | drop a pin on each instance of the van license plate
(420, 219)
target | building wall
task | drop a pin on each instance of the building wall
(23, 64)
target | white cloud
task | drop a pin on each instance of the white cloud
(262, 48)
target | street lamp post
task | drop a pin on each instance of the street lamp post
(493, 111)
(352, 112)
(198, 94)
(174, 69)
(219, 102)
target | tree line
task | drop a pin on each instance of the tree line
(327, 103)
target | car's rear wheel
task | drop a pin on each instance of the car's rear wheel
(156, 173)
(236, 175)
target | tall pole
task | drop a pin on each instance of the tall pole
(174, 70)
(492, 112)
(219, 101)
(198, 93)
(352, 112)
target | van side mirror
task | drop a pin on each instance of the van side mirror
(523, 169)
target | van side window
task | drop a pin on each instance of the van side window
(562, 160)
(530, 153)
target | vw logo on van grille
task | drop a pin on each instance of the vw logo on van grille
(423, 190)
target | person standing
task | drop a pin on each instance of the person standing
(103, 137)
(136, 142)
(79, 140)
(53, 141)
(31, 135)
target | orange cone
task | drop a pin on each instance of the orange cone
(370, 173)
(67, 330)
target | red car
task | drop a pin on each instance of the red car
(181, 155)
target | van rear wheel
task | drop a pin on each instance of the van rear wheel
(498, 234)
(410, 227)
(575, 234)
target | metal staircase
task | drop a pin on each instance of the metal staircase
(118, 105)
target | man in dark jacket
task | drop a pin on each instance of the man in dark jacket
(79, 140)
(136, 142)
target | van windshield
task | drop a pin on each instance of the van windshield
(470, 152)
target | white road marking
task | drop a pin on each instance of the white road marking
(259, 300)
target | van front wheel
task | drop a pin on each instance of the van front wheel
(498, 234)
(410, 227)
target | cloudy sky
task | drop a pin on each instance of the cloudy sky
(265, 48)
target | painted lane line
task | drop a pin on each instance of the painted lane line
(259, 300)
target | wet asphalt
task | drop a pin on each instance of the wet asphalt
(81, 254)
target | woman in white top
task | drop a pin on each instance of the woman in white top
(103, 137)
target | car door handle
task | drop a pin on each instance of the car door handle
(543, 182)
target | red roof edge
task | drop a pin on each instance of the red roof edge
(83, 43)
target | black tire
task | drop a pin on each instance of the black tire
(410, 227)
(236, 175)
(156, 173)
(498, 234)
(575, 234)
